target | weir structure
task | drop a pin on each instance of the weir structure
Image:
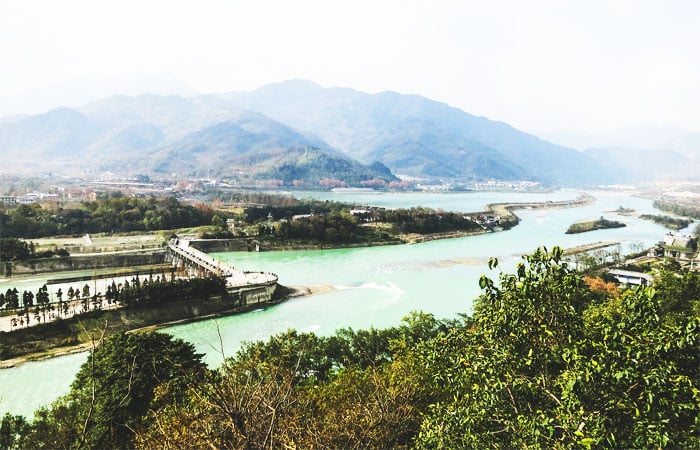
(246, 287)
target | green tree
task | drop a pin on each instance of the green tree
(545, 367)
(85, 294)
(43, 299)
(501, 374)
(306, 391)
(14, 249)
(27, 303)
(636, 376)
(12, 428)
(86, 291)
(12, 298)
(59, 296)
(678, 293)
(217, 222)
(113, 391)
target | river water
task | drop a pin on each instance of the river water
(375, 286)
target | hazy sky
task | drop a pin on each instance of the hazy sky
(538, 65)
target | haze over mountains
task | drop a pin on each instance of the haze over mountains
(297, 131)
(641, 153)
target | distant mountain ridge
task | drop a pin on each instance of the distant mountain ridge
(196, 137)
(418, 136)
(254, 145)
(294, 128)
(636, 166)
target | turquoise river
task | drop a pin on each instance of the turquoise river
(374, 287)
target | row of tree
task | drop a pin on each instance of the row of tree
(547, 360)
(422, 220)
(337, 223)
(114, 213)
(13, 249)
(675, 223)
(678, 209)
(41, 302)
(161, 290)
(148, 291)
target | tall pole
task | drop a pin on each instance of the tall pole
(3, 268)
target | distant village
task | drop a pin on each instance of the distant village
(78, 190)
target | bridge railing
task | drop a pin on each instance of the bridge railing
(234, 277)
(182, 248)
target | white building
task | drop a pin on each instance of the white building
(631, 277)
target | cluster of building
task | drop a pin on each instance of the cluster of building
(680, 248)
(488, 221)
(87, 191)
(26, 199)
(524, 186)
(683, 249)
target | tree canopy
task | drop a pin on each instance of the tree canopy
(107, 214)
(546, 360)
(113, 390)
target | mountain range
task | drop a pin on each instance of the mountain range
(296, 132)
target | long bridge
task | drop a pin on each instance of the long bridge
(197, 263)
(588, 247)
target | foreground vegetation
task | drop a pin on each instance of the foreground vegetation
(547, 360)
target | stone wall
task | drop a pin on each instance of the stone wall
(70, 263)
(188, 310)
(253, 295)
(75, 331)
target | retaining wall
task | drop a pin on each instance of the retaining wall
(70, 263)
(226, 245)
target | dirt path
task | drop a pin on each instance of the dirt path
(74, 309)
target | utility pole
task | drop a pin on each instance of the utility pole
(3, 267)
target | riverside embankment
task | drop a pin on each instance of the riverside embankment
(97, 261)
(508, 218)
(78, 332)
